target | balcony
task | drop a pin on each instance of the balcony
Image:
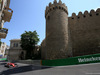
(3, 32)
(7, 14)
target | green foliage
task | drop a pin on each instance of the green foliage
(0, 42)
(0, 1)
(28, 42)
(37, 56)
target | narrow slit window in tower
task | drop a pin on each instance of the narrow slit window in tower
(59, 7)
(78, 17)
(50, 9)
(84, 16)
(53, 8)
(91, 15)
(48, 17)
(72, 18)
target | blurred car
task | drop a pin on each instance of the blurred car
(10, 65)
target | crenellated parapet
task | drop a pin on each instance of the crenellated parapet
(54, 6)
(84, 32)
(92, 13)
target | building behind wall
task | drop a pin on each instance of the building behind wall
(70, 36)
(15, 50)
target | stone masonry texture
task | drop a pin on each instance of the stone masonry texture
(56, 31)
(70, 36)
(85, 32)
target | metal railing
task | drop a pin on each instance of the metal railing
(3, 30)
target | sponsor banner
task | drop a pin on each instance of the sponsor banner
(3, 59)
(88, 59)
(73, 60)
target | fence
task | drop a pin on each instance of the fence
(3, 59)
(73, 60)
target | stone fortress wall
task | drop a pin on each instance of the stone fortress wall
(56, 15)
(70, 36)
(85, 32)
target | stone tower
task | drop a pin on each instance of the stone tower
(56, 15)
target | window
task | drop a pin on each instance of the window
(2, 46)
(48, 17)
(2, 51)
(72, 18)
(59, 7)
(84, 16)
(78, 17)
(91, 15)
(15, 45)
(50, 9)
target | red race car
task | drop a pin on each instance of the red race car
(10, 65)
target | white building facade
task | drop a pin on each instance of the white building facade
(3, 48)
(5, 16)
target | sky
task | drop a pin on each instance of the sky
(29, 15)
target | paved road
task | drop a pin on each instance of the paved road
(24, 69)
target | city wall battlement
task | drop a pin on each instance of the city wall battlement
(85, 14)
(85, 32)
(86, 21)
(54, 6)
(70, 36)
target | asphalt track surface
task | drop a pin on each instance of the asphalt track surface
(26, 69)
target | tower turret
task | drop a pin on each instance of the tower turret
(56, 15)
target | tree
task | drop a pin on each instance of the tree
(28, 42)
(0, 42)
